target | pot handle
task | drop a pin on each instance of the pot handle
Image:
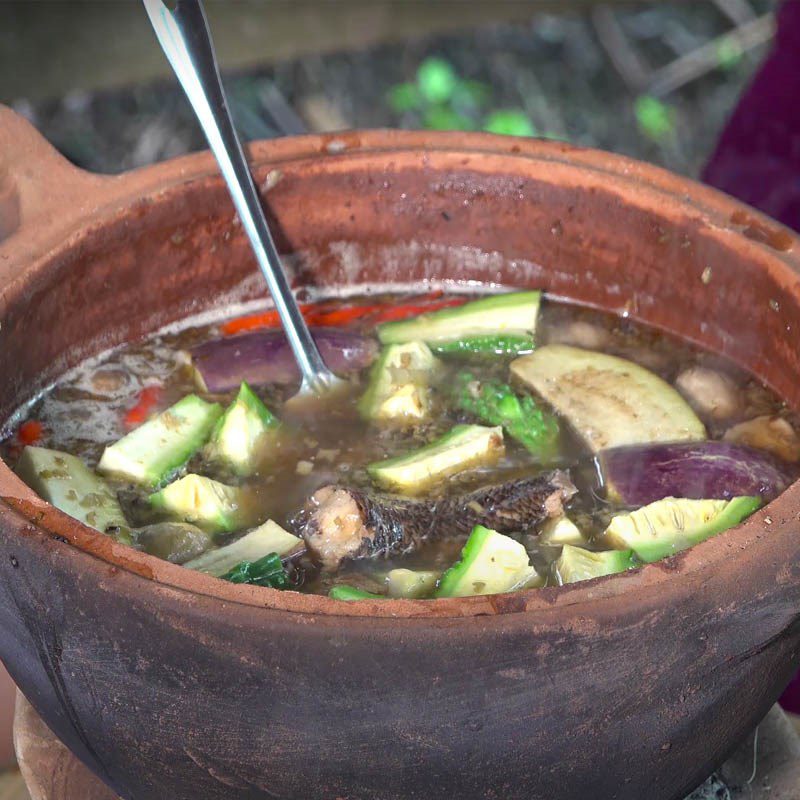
(36, 182)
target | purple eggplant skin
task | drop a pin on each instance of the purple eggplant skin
(641, 474)
(264, 357)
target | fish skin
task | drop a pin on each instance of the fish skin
(343, 523)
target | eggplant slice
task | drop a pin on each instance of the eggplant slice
(642, 474)
(264, 357)
(340, 523)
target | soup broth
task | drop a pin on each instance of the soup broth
(533, 454)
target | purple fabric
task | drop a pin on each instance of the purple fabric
(790, 699)
(757, 158)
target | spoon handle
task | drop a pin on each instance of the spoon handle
(186, 40)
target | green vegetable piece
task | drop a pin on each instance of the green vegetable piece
(410, 584)
(560, 531)
(609, 401)
(156, 450)
(490, 563)
(576, 564)
(512, 314)
(210, 505)
(345, 592)
(177, 542)
(496, 403)
(513, 122)
(529, 579)
(667, 526)
(267, 571)
(490, 344)
(436, 80)
(243, 433)
(67, 483)
(263, 540)
(464, 447)
(399, 387)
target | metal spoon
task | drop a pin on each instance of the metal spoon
(186, 41)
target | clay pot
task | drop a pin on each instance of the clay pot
(170, 684)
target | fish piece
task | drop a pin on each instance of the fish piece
(340, 522)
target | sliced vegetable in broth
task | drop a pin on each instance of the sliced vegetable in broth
(492, 444)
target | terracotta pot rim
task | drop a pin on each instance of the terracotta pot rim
(116, 193)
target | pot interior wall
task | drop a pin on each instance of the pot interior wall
(595, 237)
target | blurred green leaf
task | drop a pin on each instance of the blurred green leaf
(512, 122)
(404, 97)
(654, 118)
(471, 94)
(443, 118)
(436, 80)
(729, 53)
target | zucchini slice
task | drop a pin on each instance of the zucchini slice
(558, 531)
(512, 344)
(670, 525)
(409, 583)
(263, 540)
(576, 564)
(209, 504)
(464, 447)
(345, 592)
(156, 450)
(490, 563)
(177, 542)
(608, 400)
(67, 483)
(513, 313)
(399, 386)
(243, 433)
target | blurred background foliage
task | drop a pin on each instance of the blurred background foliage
(653, 80)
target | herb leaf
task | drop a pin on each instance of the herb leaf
(267, 571)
